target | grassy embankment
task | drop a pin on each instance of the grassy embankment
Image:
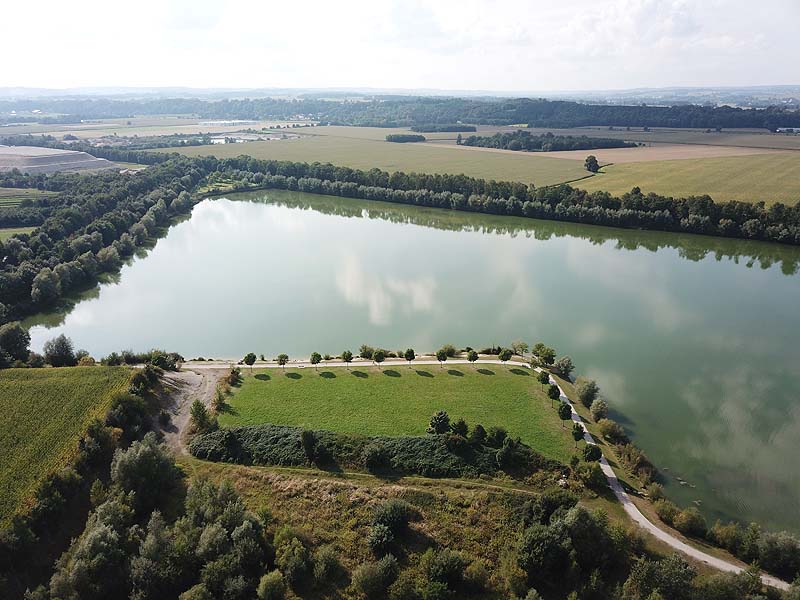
(400, 401)
(44, 414)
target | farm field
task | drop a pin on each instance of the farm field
(11, 231)
(145, 126)
(44, 413)
(746, 138)
(366, 154)
(400, 401)
(768, 177)
(10, 197)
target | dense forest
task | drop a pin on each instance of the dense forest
(548, 142)
(413, 111)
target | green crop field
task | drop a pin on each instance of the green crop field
(44, 414)
(10, 197)
(400, 401)
(8, 232)
(768, 177)
(366, 153)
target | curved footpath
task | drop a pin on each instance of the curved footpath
(630, 508)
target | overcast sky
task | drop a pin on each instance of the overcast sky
(511, 45)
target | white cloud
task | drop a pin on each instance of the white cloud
(463, 44)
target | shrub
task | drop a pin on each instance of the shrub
(326, 565)
(271, 586)
(779, 553)
(35, 360)
(599, 409)
(496, 437)
(591, 475)
(456, 443)
(690, 522)
(146, 468)
(444, 566)
(440, 423)
(726, 536)
(375, 457)
(291, 557)
(476, 575)
(309, 442)
(666, 510)
(612, 431)
(201, 420)
(436, 590)
(591, 453)
(587, 391)
(380, 539)
(477, 435)
(460, 427)
(394, 514)
(404, 588)
(656, 492)
(164, 419)
(366, 352)
(128, 413)
(449, 350)
(373, 579)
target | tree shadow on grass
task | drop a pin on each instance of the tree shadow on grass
(391, 373)
(294, 375)
(485, 372)
(328, 375)
(262, 377)
(455, 373)
(360, 374)
(518, 371)
(424, 373)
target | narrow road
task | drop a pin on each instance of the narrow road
(630, 508)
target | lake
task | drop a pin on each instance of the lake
(693, 340)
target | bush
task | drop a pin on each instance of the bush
(460, 427)
(326, 565)
(375, 458)
(374, 579)
(591, 475)
(478, 435)
(394, 514)
(271, 586)
(690, 522)
(592, 453)
(476, 576)
(779, 553)
(444, 566)
(727, 536)
(666, 510)
(380, 539)
(128, 413)
(612, 431)
(309, 442)
(599, 409)
(404, 588)
(440, 423)
(655, 491)
(456, 443)
(449, 350)
(146, 468)
(496, 437)
(201, 420)
(587, 391)
(292, 559)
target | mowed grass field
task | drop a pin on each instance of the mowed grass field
(11, 231)
(768, 177)
(43, 414)
(397, 400)
(366, 153)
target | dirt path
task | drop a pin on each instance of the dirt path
(184, 387)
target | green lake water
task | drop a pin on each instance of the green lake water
(693, 340)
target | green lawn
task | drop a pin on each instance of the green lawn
(352, 147)
(400, 401)
(768, 177)
(44, 414)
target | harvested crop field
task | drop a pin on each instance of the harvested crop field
(366, 154)
(44, 414)
(659, 152)
(768, 177)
